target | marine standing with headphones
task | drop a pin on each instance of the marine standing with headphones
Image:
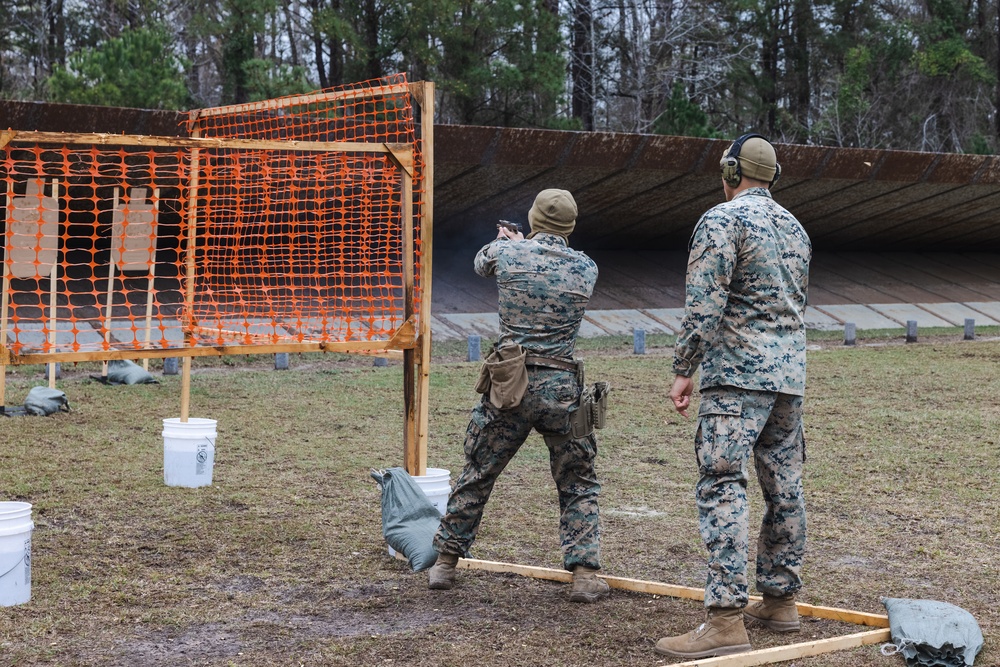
(747, 277)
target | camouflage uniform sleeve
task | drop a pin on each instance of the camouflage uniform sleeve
(711, 262)
(486, 260)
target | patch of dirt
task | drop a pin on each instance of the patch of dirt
(510, 619)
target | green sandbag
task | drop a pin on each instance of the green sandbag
(123, 371)
(409, 520)
(929, 633)
(42, 401)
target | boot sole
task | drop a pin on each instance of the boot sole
(777, 626)
(711, 653)
(441, 586)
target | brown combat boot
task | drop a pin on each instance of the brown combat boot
(442, 576)
(776, 613)
(722, 633)
(587, 586)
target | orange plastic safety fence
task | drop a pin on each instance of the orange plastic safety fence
(91, 253)
(289, 245)
(313, 242)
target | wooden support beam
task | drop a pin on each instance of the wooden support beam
(190, 250)
(402, 155)
(411, 453)
(302, 100)
(110, 298)
(194, 142)
(426, 100)
(386, 348)
(151, 285)
(53, 291)
(4, 298)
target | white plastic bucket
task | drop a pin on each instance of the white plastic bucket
(15, 553)
(188, 451)
(436, 485)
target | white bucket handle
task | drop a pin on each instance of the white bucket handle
(13, 567)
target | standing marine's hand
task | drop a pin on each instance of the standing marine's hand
(504, 233)
(680, 393)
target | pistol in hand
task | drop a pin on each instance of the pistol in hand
(511, 226)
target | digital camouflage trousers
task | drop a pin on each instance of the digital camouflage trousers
(734, 423)
(494, 437)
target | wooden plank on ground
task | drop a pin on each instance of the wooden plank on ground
(768, 656)
(669, 590)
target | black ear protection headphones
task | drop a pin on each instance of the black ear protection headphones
(730, 164)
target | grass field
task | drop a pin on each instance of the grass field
(281, 561)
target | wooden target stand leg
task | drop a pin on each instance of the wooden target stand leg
(152, 277)
(750, 658)
(52, 321)
(3, 335)
(111, 292)
(53, 291)
(4, 302)
(192, 239)
(424, 93)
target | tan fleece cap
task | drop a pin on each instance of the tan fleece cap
(554, 212)
(757, 160)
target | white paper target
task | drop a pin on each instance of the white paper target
(34, 241)
(133, 233)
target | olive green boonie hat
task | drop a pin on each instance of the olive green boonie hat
(757, 160)
(554, 212)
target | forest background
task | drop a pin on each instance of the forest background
(900, 74)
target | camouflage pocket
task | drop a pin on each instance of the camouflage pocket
(720, 442)
(482, 415)
(720, 403)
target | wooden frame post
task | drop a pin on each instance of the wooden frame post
(111, 287)
(3, 301)
(194, 184)
(425, 98)
(152, 276)
(411, 458)
(53, 285)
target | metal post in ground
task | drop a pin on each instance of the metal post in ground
(639, 341)
(850, 333)
(474, 348)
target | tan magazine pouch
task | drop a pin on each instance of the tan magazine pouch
(504, 376)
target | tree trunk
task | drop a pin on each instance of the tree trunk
(996, 106)
(582, 64)
(769, 66)
(801, 97)
(660, 55)
(373, 68)
(56, 35)
(335, 72)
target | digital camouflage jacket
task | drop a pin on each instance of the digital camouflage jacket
(747, 278)
(544, 290)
